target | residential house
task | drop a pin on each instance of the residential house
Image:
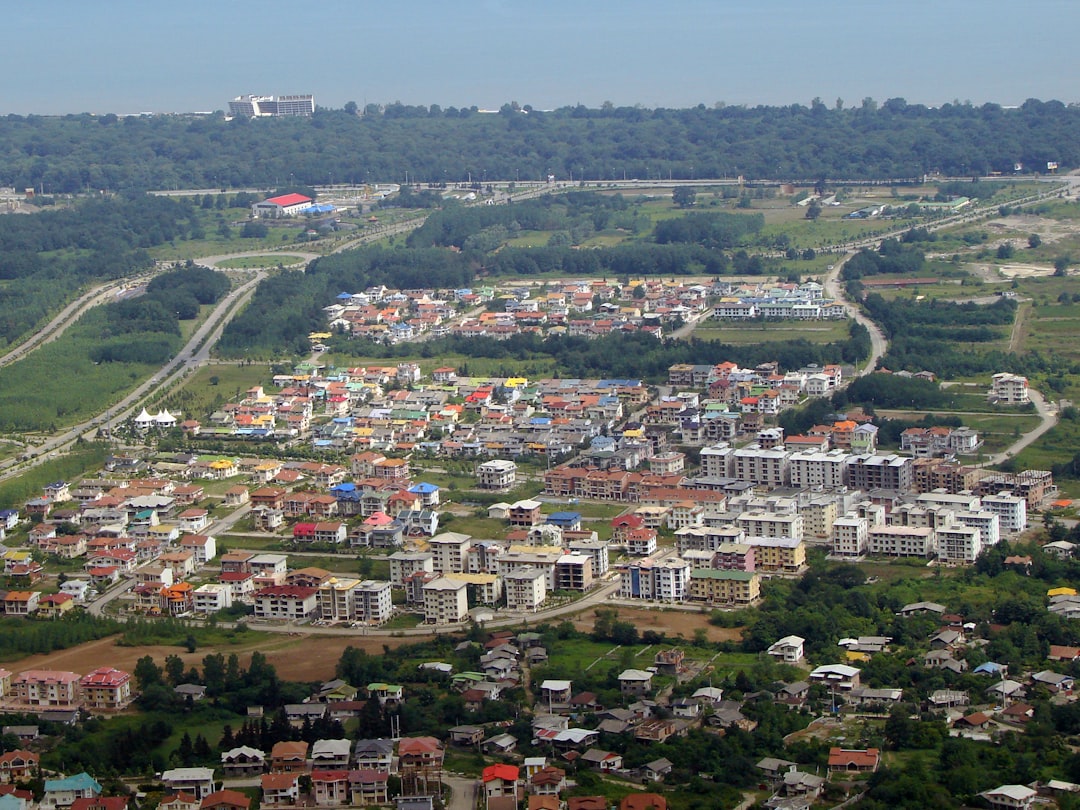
(199, 782)
(289, 757)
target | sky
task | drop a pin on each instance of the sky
(128, 56)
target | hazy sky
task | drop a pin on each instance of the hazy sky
(126, 56)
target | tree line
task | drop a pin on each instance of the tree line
(79, 153)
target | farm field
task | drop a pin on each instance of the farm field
(765, 331)
(297, 657)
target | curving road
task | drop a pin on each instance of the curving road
(878, 342)
(1048, 416)
(195, 353)
(71, 313)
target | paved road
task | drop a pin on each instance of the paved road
(1048, 416)
(463, 792)
(93, 297)
(194, 354)
(878, 344)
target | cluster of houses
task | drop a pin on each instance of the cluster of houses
(587, 308)
(60, 696)
(804, 301)
(384, 409)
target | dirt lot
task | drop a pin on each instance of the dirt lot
(296, 658)
(313, 658)
(671, 622)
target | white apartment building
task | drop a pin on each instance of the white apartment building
(374, 604)
(1010, 509)
(597, 550)
(770, 524)
(404, 564)
(957, 501)
(446, 601)
(850, 535)
(518, 558)
(810, 470)
(211, 597)
(764, 467)
(717, 461)
(1008, 389)
(286, 602)
(707, 538)
(901, 541)
(959, 544)
(497, 474)
(449, 549)
(526, 589)
(666, 580)
(988, 524)
(486, 589)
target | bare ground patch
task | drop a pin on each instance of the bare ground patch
(295, 657)
(669, 622)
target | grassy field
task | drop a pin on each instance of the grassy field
(211, 386)
(765, 331)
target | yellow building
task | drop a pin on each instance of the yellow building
(716, 587)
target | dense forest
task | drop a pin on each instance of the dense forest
(77, 153)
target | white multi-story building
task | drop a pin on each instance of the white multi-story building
(707, 538)
(849, 537)
(597, 550)
(665, 580)
(960, 501)
(901, 541)
(449, 549)
(765, 467)
(988, 524)
(404, 564)
(1010, 509)
(211, 597)
(374, 604)
(518, 558)
(1008, 389)
(337, 599)
(286, 602)
(252, 106)
(959, 544)
(809, 470)
(717, 461)
(770, 524)
(446, 601)
(497, 474)
(487, 589)
(526, 589)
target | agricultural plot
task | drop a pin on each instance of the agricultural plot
(766, 331)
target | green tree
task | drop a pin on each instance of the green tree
(684, 196)
(147, 673)
(1034, 240)
(813, 210)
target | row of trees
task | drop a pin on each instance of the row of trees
(76, 153)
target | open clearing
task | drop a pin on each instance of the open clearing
(670, 622)
(295, 657)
